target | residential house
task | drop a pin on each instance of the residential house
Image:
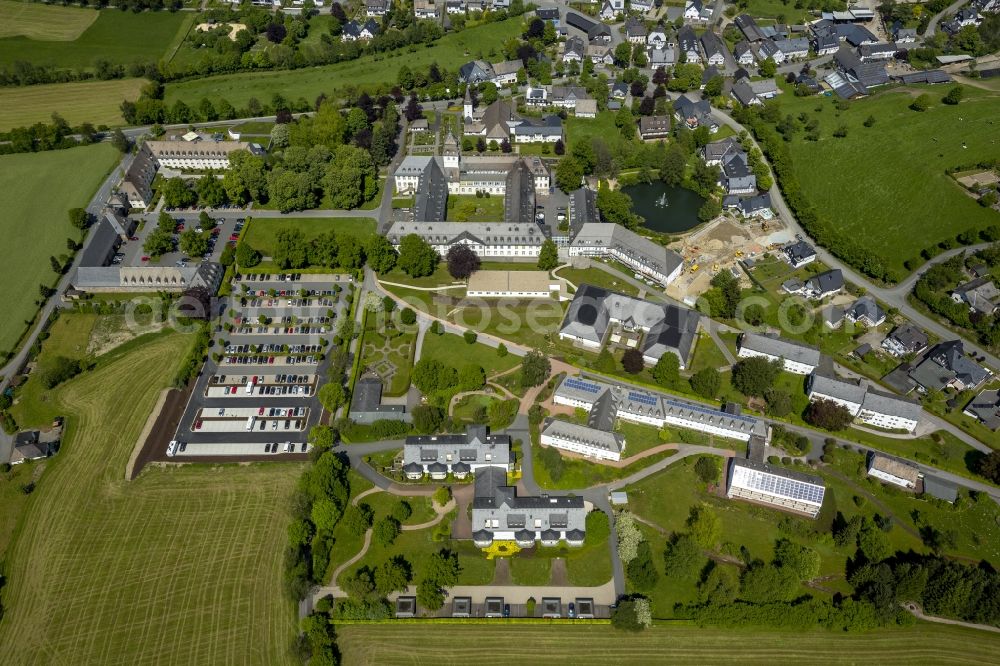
(661, 57)
(744, 54)
(756, 206)
(455, 7)
(608, 12)
(865, 311)
(883, 410)
(902, 35)
(826, 43)
(892, 470)
(618, 90)
(505, 73)
(476, 72)
(657, 36)
(743, 93)
(136, 186)
(635, 31)
(567, 97)
(586, 108)
(574, 50)
(799, 253)
(793, 49)
(769, 49)
(354, 31)
(600, 54)
(819, 286)
(376, 7)
(687, 43)
(764, 89)
(584, 440)
(797, 357)
(654, 127)
(548, 13)
(698, 11)
(437, 456)
(905, 339)
(735, 175)
(695, 114)
(424, 9)
(642, 6)
(981, 295)
(537, 96)
(985, 407)
(947, 366)
(36, 444)
(600, 34)
(714, 48)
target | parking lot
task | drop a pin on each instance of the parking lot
(131, 252)
(259, 395)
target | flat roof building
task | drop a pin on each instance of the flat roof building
(511, 284)
(892, 470)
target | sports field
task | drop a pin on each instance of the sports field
(181, 566)
(885, 185)
(36, 191)
(421, 643)
(37, 21)
(78, 40)
(94, 102)
(450, 51)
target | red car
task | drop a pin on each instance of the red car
(180, 228)
(197, 424)
(270, 359)
(145, 257)
(260, 412)
(216, 231)
(133, 238)
(234, 237)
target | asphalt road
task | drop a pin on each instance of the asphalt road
(950, 9)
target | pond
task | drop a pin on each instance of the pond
(665, 208)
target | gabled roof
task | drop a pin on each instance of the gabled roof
(827, 282)
(780, 347)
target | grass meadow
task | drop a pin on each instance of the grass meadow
(262, 232)
(94, 102)
(75, 38)
(181, 566)
(885, 185)
(36, 191)
(600, 645)
(450, 51)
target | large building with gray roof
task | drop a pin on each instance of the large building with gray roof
(637, 252)
(458, 455)
(499, 514)
(664, 327)
(797, 357)
(776, 487)
(866, 405)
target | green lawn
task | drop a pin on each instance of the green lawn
(450, 51)
(169, 568)
(37, 21)
(454, 350)
(707, 354)
(391, 356)
(901, 201)
(36, 191)
(400, 643)
(776, 9)
(116, 36)
(68, 337)
(470, 208)
(95, 102)
(261, 233)
(525, 569)
(597, 277)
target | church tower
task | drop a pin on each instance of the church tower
(452, 153)
(467, 106)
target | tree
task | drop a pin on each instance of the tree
(416, 257)
(714, 86)
(705, 382)
(385, 531)
(707, 469)
(954, 96)
(193, 244)
(989, 466)
(768, 68)
(632, 361)
(427, 419)
(921, 103)
(502, 350)
(471, 377)
(629, 536)
(674, 165)
(393, 575)
(158, 243)
(683, 559)
(632, 615)
(177, 194)
(704, 526)
(548, 256)
(779, 403)
(380, 254)
(535, 368)
(290, 249)
(801, 560)
(246, 256)
(667, 369)
(408, 317)
(121, 142)
(79, 218)
(873, 542)
(430, 375)
(462, 261)
(641, 571)
(616, 207)
(764, 583)
(332, 395)
(569, 174)
(709, 210)
(211, 192)
(623, 54)
(357, 519)
(753, 376)
(827, 414)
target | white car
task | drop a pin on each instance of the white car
(172, 447)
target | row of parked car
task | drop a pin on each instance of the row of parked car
(321, 302)
(289, 447)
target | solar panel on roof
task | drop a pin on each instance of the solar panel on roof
(581, 385)
(641, 398)
(782, 486)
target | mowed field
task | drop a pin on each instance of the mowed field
(116, 36)
(450, 51)
(37, 21)
(94, 102)
(885, 185)
(181, 566)
(36, 191)
(262, 232)
(421, 643)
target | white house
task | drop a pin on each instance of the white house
(891, 470)
(798, 358)
(589, 442)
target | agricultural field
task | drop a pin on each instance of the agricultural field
(36, 191)
(261, 233)
(902, 201)
(95, 102)
(168, 569)
(409, 643)
(76, 38)
(43, 22)
(450, 52)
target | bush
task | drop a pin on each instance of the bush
(707, 469)
(61, 370)
(552, 461)
(470, 337)
(386, 531)
(442, 495)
